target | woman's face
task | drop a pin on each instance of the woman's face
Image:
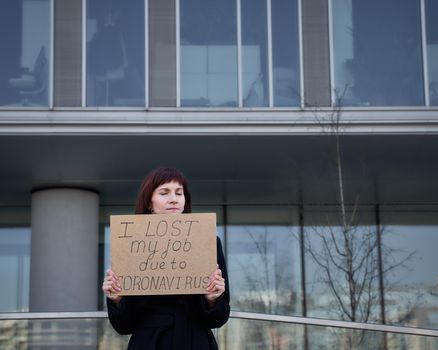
(168, 198)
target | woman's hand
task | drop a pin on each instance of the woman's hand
(215, 287)
(111, 285)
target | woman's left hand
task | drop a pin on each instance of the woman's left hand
(215, 287)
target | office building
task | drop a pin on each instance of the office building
(309, 126)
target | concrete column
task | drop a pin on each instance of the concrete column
(64, 250)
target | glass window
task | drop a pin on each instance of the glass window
(98, 334)
(115, 53)
(344, 283)
(285, 53)
(342, 266)
(252, 334)
(14, 268)
(255, 334)
(411, 284)
(105, 243)
(254, 53)
(25, 52)
(162, 49)
(432, 49)
(264, 260)
(208, 53)
(67, 333)
(327, 338)
(377, 52)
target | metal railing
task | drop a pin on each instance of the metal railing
(238, 315)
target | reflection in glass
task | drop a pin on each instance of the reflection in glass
(25, 52)
(14, 269)
(342, 267)
(162, 53)
(326, 338)
(411, 292)
(236, 334)
(346, 271)
(115, 53)
(254, 53)
(377, 53)
(264, 267)
(250, 334)
(208, 53)
(60, 334)
(105, 243)
(432, 49)
(285, 53)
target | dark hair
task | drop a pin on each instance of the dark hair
(156, 178)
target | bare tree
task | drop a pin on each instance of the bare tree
(352, 259)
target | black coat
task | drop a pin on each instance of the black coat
(171, 321)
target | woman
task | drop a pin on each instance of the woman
(170, 321)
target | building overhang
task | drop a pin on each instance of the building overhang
(184, 121)
(225, 169)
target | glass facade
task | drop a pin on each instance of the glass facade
(208, 53)
(25, 53)
(209, 60)
(14, 268)
(237, 334)
(431, 8)
(115, 53)
(162, 53)
(60, 333)
(285, 53)
(268, 250)
(15, 240)
(342, 265)
(254, 53)
(325, 338)
(251, 334)
(264, 260)
(265, 255)
(411, 280)
(349, 271)
(377, 53)
(284, 258)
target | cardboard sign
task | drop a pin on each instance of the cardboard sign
(163, 253)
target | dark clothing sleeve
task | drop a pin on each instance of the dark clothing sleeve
(218, 315)
(121, 316)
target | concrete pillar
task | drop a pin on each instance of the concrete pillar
(64, 250)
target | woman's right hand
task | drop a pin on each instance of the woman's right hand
(111, 286)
